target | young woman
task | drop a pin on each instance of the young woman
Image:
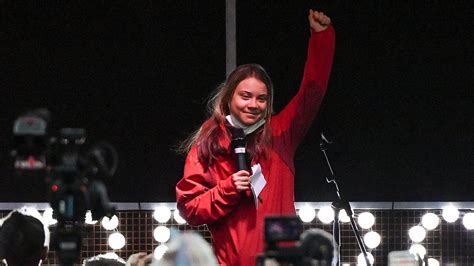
(213, 191)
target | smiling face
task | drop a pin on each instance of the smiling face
(249, 101)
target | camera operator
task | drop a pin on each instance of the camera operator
(286, 244)
(72, 173)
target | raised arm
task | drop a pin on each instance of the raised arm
(293, 122)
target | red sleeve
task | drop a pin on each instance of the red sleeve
(198, 199)
(294, 121)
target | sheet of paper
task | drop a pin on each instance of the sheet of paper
(258, 182)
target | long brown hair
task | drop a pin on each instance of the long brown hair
(211, 137)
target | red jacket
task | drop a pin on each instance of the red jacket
(207, 196)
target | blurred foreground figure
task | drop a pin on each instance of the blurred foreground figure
(188, 249)
(109, 259)
(24, 238)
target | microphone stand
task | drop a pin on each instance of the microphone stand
(341, 204)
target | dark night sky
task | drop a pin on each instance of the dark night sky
(137, 74)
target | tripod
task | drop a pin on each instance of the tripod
(340, 204)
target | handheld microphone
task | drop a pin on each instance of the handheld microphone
(238, 144)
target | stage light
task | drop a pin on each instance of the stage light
(430, 221)
(177, 217)
(110, 224)
(48, 217)
(468, 220)
(306, 213)
(343, 217)
(162, 234)
(361, 259)
(116, 240)
(326, 215)
(366, 220)
(160, 251)
(418, 249)
(417, 233)
(88, 219)
(450, 214)
(162, 214)
(433, 262)
(372, 239)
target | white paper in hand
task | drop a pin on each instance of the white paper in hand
(258, 182)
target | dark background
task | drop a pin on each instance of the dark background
(137, 74)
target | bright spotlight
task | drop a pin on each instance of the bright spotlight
(110, 224)
(468, 220)
(162, 234)
(430, 221)
(417, 233)
(450, 214)
(48, 217)
(418, 249)
(326, 215)
(361, 259)
(177, 217)
(366, 220)
(88, 219)
(372, 239)
(306, 214)
(160, 251)
(343, 217)
(433, 262)
(162, 214)
(31, 211)
(116, 240)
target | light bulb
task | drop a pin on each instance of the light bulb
(326, 215)
(372, 239)
(110, 224)
(433, 262)
(361, 259)
(430, 221)
(31, 211)
(468, 220)
(366, 220)
(48, 217)
(418, 249)
(343, 217)
(306, 213)
(162, 234)
(450, 214)
(162, 214)
(417, 233)
(88, 219)
(177, 217)
(160, 251)
(116, 240)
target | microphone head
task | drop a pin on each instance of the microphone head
(238, 137)
(326, 138)
(237, 133)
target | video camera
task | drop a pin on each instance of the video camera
(72, 175)
(288, 244)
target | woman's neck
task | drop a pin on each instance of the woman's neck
(247, 129)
